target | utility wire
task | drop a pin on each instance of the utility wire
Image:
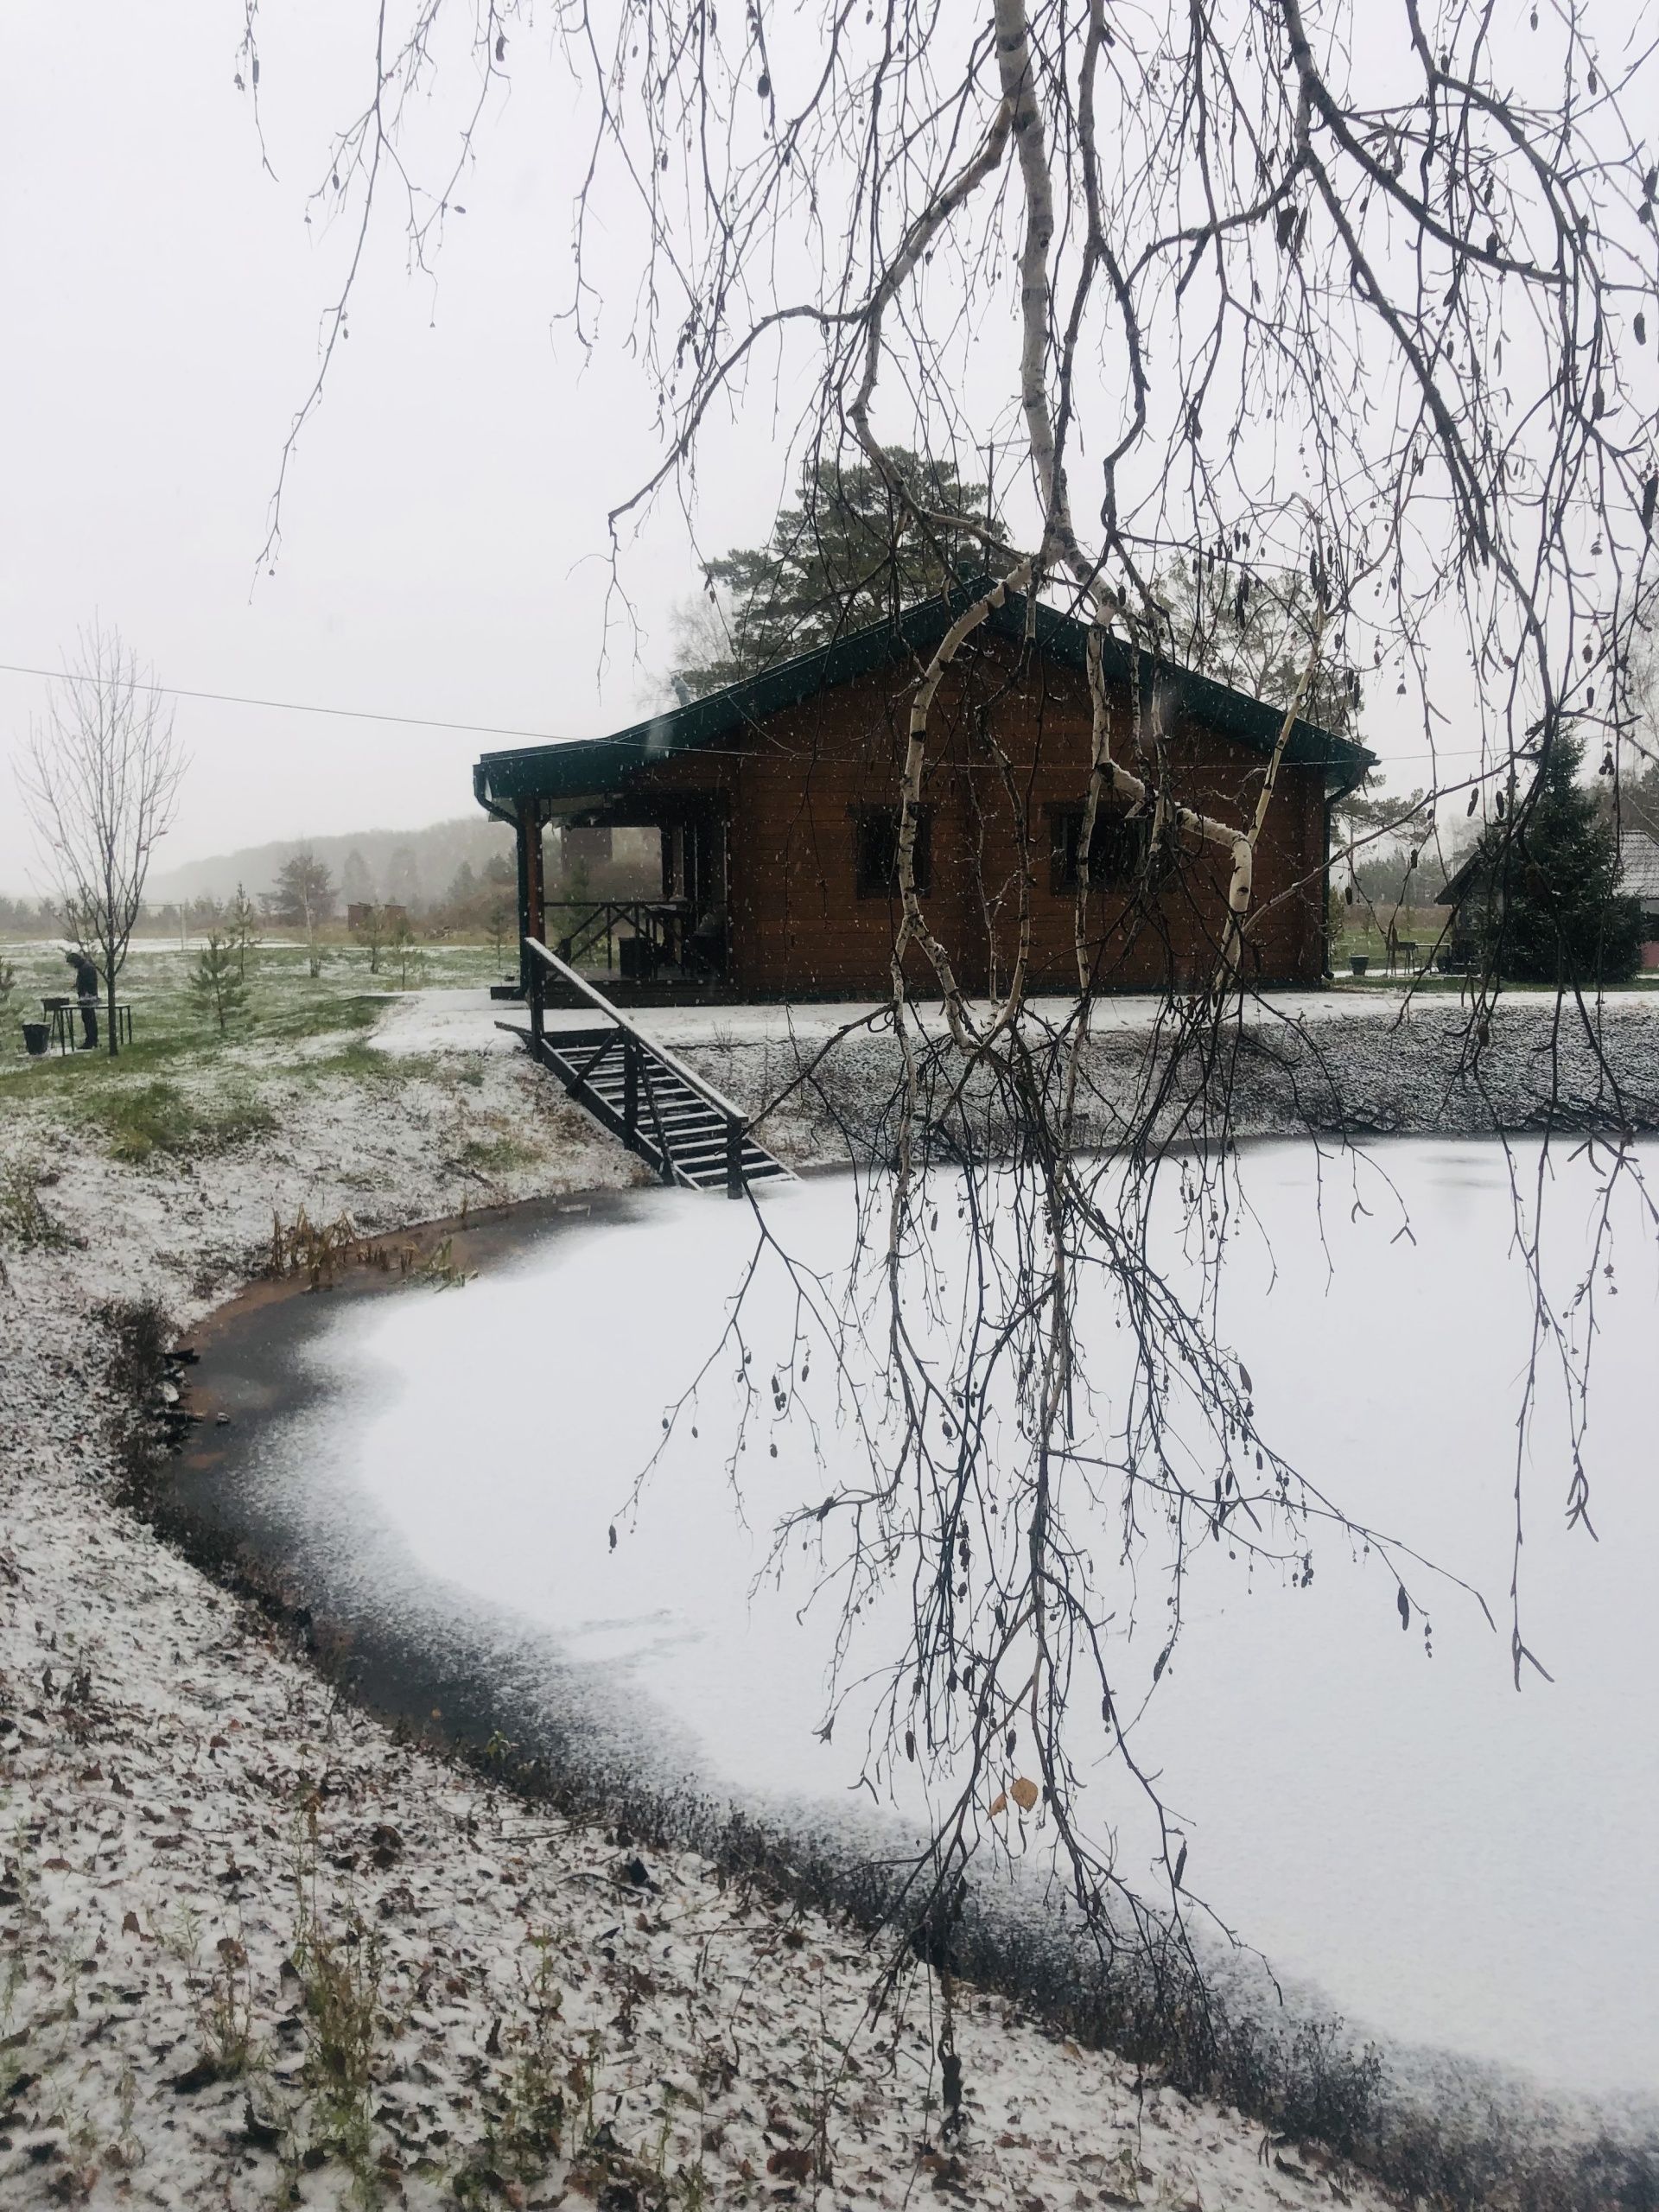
(646, 744)
(350, 713)
(288, 706)
(491, 729)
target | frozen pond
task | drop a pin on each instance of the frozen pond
(1447, 1862)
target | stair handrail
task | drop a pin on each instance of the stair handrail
(705, 1090)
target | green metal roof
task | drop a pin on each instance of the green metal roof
(591, 768)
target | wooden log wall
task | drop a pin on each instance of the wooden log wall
(792, 793)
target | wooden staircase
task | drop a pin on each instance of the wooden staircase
(679, 1124)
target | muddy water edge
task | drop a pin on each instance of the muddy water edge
(435, 1675)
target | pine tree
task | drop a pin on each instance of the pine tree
(216, 986)
(370, 930)
(406, 952)
(499, 922)
(243, 923)
(848, 555)
(1555, 914)
(304, 894)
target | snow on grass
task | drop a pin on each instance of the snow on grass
(255, 1948)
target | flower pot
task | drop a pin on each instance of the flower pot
(35, 1039)
(1359, 962)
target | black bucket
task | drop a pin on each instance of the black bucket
(35, 1039)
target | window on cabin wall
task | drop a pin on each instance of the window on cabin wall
(875, 851)
(1117, 850)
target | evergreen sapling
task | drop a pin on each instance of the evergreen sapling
(216, 988)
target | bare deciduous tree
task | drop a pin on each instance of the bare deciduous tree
(370, 929)
(1263, 287)
(100, 780)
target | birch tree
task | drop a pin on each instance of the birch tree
(100, 780)
(1358, 294)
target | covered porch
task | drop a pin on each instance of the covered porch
(664, 940)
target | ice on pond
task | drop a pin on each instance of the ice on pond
(1451, 1861)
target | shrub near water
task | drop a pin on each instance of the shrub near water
(154, 1117)
(25, 1218)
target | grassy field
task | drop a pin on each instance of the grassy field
(181, 1089)
(1424, 927)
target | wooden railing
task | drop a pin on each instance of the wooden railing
(638, 1049)
(662, 926)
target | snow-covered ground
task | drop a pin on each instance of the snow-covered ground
(466, 1020)
(256, 1949)
(1337, 1061)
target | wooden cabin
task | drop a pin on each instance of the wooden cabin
(776, 801)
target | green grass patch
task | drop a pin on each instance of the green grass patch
(58, 1075)
(361, 1062)
(139, 1120)
(180, 1090)
(144, 1118)
(497, 1156)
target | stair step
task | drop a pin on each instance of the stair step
(676, 1129)
(684, 1124)
(614, 1093)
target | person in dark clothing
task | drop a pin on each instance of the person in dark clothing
(86, 990)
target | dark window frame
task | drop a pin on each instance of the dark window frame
(1118, 848)
(875, 869)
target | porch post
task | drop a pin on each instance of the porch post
(532, 892)
(734, 1135)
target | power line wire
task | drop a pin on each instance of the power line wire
(354, 714)
(291, 706)
(491, 729)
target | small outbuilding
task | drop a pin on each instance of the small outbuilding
(776, 804)
(1638, 854)
(1476, 900)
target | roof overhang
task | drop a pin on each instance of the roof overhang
(586, 773)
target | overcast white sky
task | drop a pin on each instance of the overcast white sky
(445, 544)
(444, 549)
